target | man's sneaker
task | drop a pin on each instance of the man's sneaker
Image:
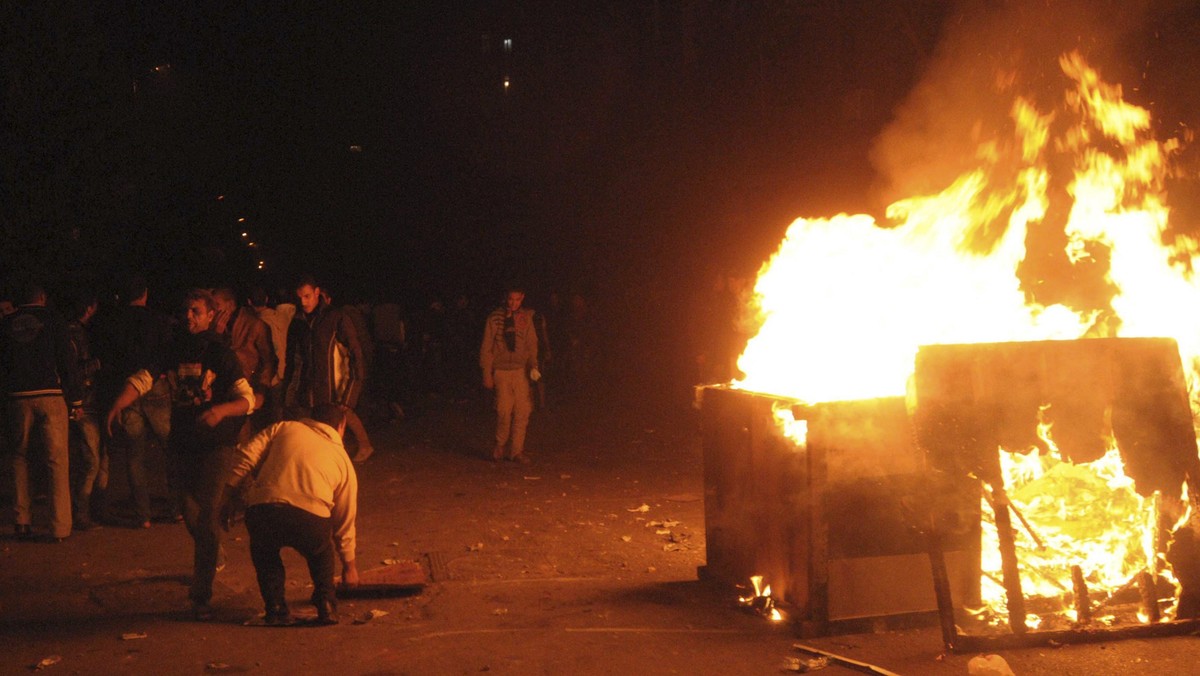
(23, 531)
(278, 616)
(221, 559)
(202, 612)
(327, 612)
(498, 453)
(521, 458)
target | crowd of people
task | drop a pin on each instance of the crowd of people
(237, 381)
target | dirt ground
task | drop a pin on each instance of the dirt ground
(553, 568)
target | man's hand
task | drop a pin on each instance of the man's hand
(349, 574)
(488, 382)
(212, 417)
(231, 506)
(109, 421)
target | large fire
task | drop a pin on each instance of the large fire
(845, 302)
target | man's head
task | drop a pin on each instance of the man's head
(200, 311)
(258, 297)
(332, 415)
(224, 300)
(308, 293)
(135, 291)
(514, 298)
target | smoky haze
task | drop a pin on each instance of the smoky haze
(989, 54)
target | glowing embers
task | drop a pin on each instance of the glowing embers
(760, 601)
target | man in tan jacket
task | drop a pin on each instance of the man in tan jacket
(509, 357)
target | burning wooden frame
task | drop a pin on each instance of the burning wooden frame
(1083, 403)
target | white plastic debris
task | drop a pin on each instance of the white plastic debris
(132, 635)
(989, 665)
(48, 662)
(644, 508)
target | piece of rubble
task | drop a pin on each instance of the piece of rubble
(644, 508)
(47, 662)
(132, 635)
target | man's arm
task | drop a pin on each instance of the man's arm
(135, 386)
(343, 515)
(485, 352)
(265, 348)
(358, 365)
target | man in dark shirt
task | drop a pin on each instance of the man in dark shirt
(39, 378)
(129, 339)
(209, 401)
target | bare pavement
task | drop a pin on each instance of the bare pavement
(584, 562)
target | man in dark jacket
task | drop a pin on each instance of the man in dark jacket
(133, 338)
(325, 362)
(40, 379)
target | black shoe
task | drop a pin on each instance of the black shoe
(82, 525)
(201, 612)
(327, 612)
(24, 532)
(277, 617)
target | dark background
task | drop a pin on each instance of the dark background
(640, 149)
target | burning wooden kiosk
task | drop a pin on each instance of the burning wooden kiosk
(878, 514)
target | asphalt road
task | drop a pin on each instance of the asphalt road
(560, 567)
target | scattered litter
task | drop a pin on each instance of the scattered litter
(48, 662)
(132, 635)
(643, 508)
(500, 611)
(651, 569)
(475, 547)
(217, 666)
(670, 523)
(390, 562)
(674, 547)
(374, 614)
(803, 665)
(649, 430)
(626, 538)
(395, 544)
(532, 478)
(564, 476)
(663, 531)
(988, 665)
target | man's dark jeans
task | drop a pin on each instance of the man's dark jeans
(275, 526)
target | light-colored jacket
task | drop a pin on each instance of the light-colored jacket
(302, 463)
(494, 354)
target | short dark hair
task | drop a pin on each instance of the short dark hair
(258, 297)
(201, 295)
(306, 280)
(330, 414)
(224, 293)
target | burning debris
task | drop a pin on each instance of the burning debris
(759, 601)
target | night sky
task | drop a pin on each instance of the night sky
(639, 148)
